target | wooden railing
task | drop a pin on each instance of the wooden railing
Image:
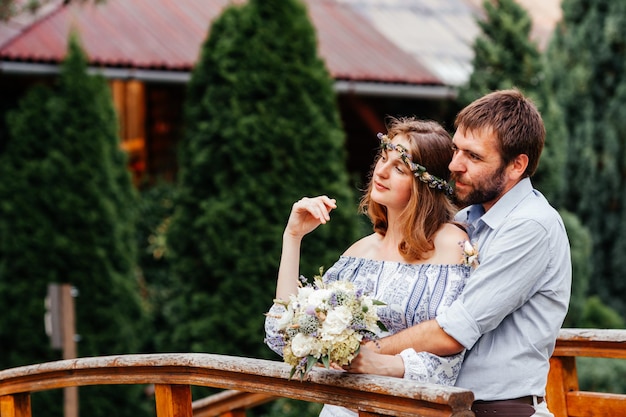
(250, 382)
(174, 374)
(229, 403)
(563, 394)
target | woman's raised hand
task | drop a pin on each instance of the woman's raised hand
(308, 213)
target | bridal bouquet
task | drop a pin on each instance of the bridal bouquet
(325, 323)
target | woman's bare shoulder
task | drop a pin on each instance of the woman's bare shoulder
(452, 232)
(448, 242)
(362, 247)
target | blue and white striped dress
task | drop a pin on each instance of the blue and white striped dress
(412, 293)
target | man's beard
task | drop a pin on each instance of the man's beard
(483, 191)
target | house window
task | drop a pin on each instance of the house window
(164, 114)
(129, 101)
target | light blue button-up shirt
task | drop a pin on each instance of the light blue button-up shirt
(515, 301)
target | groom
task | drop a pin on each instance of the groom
(514, 304)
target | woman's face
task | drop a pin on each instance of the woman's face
(392, 180)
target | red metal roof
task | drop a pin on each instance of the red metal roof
(167, 35)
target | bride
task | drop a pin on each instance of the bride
(413, 261)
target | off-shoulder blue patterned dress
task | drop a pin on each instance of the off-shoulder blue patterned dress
(412, 293)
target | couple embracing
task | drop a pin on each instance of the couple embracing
(487, 323)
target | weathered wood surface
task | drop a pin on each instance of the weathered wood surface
(585, 404)
(599, 343)
(563, 393)
(229, 402)
(173, 400)
(369, 393)
(17, 405)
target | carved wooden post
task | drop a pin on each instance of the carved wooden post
(70, 394)
(562, 379)
(60, 320)
(172, 400)
(17, 405)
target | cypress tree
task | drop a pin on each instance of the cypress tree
(504, 54)
(588, 78)
(262, 130)
(505, 57)
(155, 210)
(67, 216)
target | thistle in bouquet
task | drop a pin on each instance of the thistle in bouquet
(325, 323)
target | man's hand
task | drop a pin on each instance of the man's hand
(370, 362)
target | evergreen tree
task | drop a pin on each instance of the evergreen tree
(262, 131)
(588, 78)
(580, 246)
(67, 216)
(155, 211)
(506, 57)
(504, 54)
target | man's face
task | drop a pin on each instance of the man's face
(477, 169)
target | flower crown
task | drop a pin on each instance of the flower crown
(418, 171)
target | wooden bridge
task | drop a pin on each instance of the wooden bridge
(249, 382)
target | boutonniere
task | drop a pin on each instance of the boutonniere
(470, 254)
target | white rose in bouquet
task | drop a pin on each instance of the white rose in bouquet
(337, 321)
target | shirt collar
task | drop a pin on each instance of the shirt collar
(498, 212)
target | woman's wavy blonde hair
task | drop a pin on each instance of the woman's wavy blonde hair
(428, 209)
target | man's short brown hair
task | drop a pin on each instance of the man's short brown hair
(513, 119)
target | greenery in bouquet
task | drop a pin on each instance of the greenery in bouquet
(325, 323)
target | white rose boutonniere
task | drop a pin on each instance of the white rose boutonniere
(470, 254)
